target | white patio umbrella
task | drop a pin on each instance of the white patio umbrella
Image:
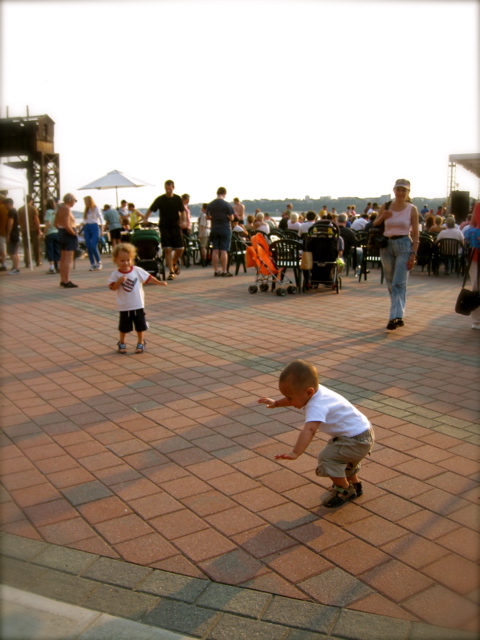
(115, 180)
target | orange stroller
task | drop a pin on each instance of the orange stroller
(260, 257)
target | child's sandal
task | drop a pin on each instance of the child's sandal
(122, 347)
(140, 347)
(356, 485)
(340, 497)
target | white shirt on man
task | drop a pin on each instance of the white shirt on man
(456, 234)
(305, 226)
(359, 224)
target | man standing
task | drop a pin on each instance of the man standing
(3, 231)
(186, 223)
(13, 236)
(123, 210)
(113, 224)
(283, 224)
(239, 210)
(35, 232)
(171, 215)
(221, 214)
(67, 239)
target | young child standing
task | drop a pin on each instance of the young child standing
(127, 282)
(351, 434)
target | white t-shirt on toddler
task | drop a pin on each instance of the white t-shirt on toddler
(130, 294)
(338, 416)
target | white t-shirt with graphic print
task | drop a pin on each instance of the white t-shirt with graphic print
(130, 294)
(338, 416)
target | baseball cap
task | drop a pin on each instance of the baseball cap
(401, 182)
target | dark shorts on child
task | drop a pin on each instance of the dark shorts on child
(130, 319)
(342, 455)
(66, 241)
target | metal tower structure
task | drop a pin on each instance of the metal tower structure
(28, 143)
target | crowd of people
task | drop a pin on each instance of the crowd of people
(399, 220)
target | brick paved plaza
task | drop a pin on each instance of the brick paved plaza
(166, 461)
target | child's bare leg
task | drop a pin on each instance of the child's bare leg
(340, 482)
(121, 343)
(354, 479)
(140, 336)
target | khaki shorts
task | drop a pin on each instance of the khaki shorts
(204, 240)
(342, 456)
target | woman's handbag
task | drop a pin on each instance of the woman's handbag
(306, 262)
(468, 300)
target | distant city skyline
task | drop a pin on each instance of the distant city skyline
(240, 94)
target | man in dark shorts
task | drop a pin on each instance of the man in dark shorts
(171, 213)
(221, 214)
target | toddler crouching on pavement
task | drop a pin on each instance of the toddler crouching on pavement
(351, 434)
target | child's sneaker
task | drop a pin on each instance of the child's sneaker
(339, 496)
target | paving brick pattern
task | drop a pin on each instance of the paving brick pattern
(165, 459)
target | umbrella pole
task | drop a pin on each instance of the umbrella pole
(116, 195)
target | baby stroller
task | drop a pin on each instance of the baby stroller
(260, 257)
(322, 241)
(149, 252)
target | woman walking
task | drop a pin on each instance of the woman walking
(93, 223)
(398, 257)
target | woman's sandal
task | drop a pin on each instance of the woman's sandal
(122, 347)
(140, 347)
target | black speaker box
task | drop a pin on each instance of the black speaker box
(460, 205)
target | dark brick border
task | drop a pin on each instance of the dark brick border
(199, 608)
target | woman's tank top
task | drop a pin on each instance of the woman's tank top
(400, 222)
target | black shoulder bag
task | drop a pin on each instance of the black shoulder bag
(376, 238)
(468, 300)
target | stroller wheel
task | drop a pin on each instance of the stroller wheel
(252, 288)
(292, 288)
(281, 292)
(264, 286)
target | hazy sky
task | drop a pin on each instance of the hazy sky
(269, 98)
